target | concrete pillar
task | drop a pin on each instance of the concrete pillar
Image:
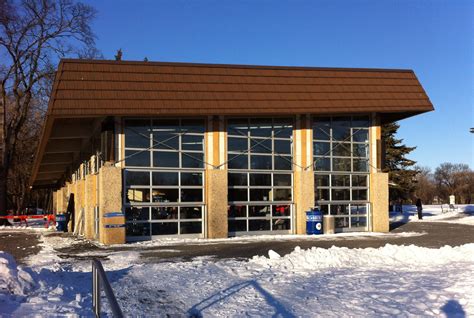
(112, 221)
(379, 220)
(303, 175)
(216, 178)
(61, 200)
(90, 203)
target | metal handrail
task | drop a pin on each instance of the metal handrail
(99, 279)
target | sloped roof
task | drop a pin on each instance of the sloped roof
(87, 91)
(102, 88)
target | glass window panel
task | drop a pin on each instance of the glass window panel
(237, 195)
(359, 180)
(138, 195)
(164, 213)
(339, 209)
(282, 146)
(322, 164)
(358, 222)
(164, 228)
(360, 135)
(259, 225)
(360, 121)
(165, 159)
(341, 164)
(341, 222)
(190, 142)
(283, 128)
(360, 150)
(260, 146)
(260, 194)
(340, 195)
(237, 144)
(281, 224)
(260, 179)
(137, 133)
(191, 178)
(358, 209)
(361, 165)
(237, 226)
(259, 210)
(137, 158)
(321, 148)
(237, 162)
(166, 125)
(321, 128)
(192, 160)
(191, 195)
(281, 210)
(341, 180)
(137, 178)
(261, 127)
(359, 195)
(237, 211)
(165, 195)
(341, 128)
(137, 229)
(281, 179)
(324, 208)
(165, 140)
(322, 195)
(321, 180)
(137, 213)
(165, 178)
(283, 163)
(261, 162)
(192, 126)
(341, 150)
(238, 127)
(282, 195)
(190, 227)
(194, 212)
(237, 179)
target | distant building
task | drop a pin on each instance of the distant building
(201, 150)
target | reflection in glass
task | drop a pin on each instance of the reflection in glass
(165, 178)
(191, 195)
(191, 178)
(165, 195)
(261, 162)
(137, 213)
(358, 222)
(359, 195)
(259, 210)
(237, 211)
(360, 150)
(281, 179)
(259, 225)
(237, 226)
(192, 126)
(282, 195)
(137, 158)
(190, 142)
(321, 180)
(321, 148)
(260, 179)
(322, 194)
(237, 144)
(192, 160)
(360, 135)
(283, 163)
(138, 195)
(165, 140)
(341, 150)
(137, 229)
(281, 224)
(341, 164)
(341, 180)
(237, 195)
(341, 195)
(322, 164)
(237, 179)
(281, 210)
(190, 227)
(166, 159)
(282, 146)
(164, 228)
(361, 165)
(261, 127)
(359, 180)
(160, 213)
(261, 146)
(260, 194)
(137, 178)
(187, 212)
(137, 133)
(339, 209)
(237, 161)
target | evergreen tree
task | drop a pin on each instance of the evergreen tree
(401, 172)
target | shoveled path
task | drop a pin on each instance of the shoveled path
(435, 235)
(20, 244)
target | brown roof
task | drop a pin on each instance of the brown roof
(88, 89)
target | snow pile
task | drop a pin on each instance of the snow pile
(387, 256)
(13, 280)
(462, 214)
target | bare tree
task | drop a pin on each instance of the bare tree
(34, 34)
(425, 185)
(454, 179)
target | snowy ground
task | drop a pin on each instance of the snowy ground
(387, 281)
(461, 214)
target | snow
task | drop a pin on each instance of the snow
(373, 282)
(462, 214)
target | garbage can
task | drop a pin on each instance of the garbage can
(61, 223)
(328, 224)
(314, 222)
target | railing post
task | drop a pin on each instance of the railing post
(98, 275)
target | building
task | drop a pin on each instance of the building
(155, 149)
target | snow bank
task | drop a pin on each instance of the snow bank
(13, 279)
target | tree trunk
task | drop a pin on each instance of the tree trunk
(3, 195)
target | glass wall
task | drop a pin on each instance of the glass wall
(260, 175)
(163, 177)
(341, 169)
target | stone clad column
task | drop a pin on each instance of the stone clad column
(112, 220)
(90, 203)
(303, 184)
(379, 219)
(216, 178)
(79, 202)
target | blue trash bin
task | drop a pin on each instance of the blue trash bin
(60, 222)
(314, 222)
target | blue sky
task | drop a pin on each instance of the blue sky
(434, 38)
